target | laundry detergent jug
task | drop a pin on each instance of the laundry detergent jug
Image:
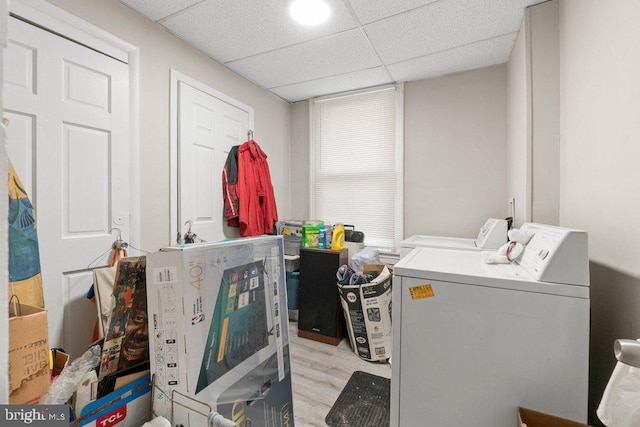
(337, 240)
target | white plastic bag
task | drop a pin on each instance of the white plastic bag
(368, 255)
(67, 382)
(626, 409)
(620, 404)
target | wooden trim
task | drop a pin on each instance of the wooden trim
(321, 338)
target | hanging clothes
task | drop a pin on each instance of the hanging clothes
(25, 278)
(258, 212)
(229, 188)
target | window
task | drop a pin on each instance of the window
(356, 163)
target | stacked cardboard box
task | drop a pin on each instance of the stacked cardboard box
(29, 370)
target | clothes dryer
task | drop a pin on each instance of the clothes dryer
(492, 235)
(472, 342)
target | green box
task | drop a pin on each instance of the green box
(311, 234)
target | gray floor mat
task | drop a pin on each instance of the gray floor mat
(364, 402)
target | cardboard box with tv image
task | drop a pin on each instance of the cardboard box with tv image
(126, 338)
(219, 332)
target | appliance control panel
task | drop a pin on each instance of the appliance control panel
(557, 255)
(493, 234)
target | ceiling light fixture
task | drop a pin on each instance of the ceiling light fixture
(309, 12)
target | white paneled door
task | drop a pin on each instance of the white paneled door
(207, 129)
(68, 136)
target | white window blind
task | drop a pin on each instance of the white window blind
(356, 163)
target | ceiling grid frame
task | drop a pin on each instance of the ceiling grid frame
(364, 43)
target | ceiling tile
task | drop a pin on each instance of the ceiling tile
(158, 9)
(334, 84)
(415, 39)
(233, 29)
(315, 59)
(374, 10)
(476, 55)
(443, 25)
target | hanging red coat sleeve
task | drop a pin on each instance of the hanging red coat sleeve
(268, 200)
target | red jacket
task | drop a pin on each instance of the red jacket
(258, 211)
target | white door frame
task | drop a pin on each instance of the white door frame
(177, 78)
(50, 17)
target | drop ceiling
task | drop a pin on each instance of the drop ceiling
(364, 43)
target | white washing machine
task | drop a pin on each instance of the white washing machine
(492, 235)
(472, 342)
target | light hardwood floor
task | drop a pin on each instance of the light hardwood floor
(319, 373)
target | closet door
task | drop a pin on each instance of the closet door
(207, 129)
(68, 135)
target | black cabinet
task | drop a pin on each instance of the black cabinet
(320, 314)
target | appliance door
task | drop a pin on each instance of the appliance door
(470, 355)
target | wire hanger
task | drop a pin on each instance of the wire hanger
(189, 236)
(119, 247)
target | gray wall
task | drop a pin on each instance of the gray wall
(455, 159)
(574, 97)
(160, 51)
(454, 153)
(600, 164)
